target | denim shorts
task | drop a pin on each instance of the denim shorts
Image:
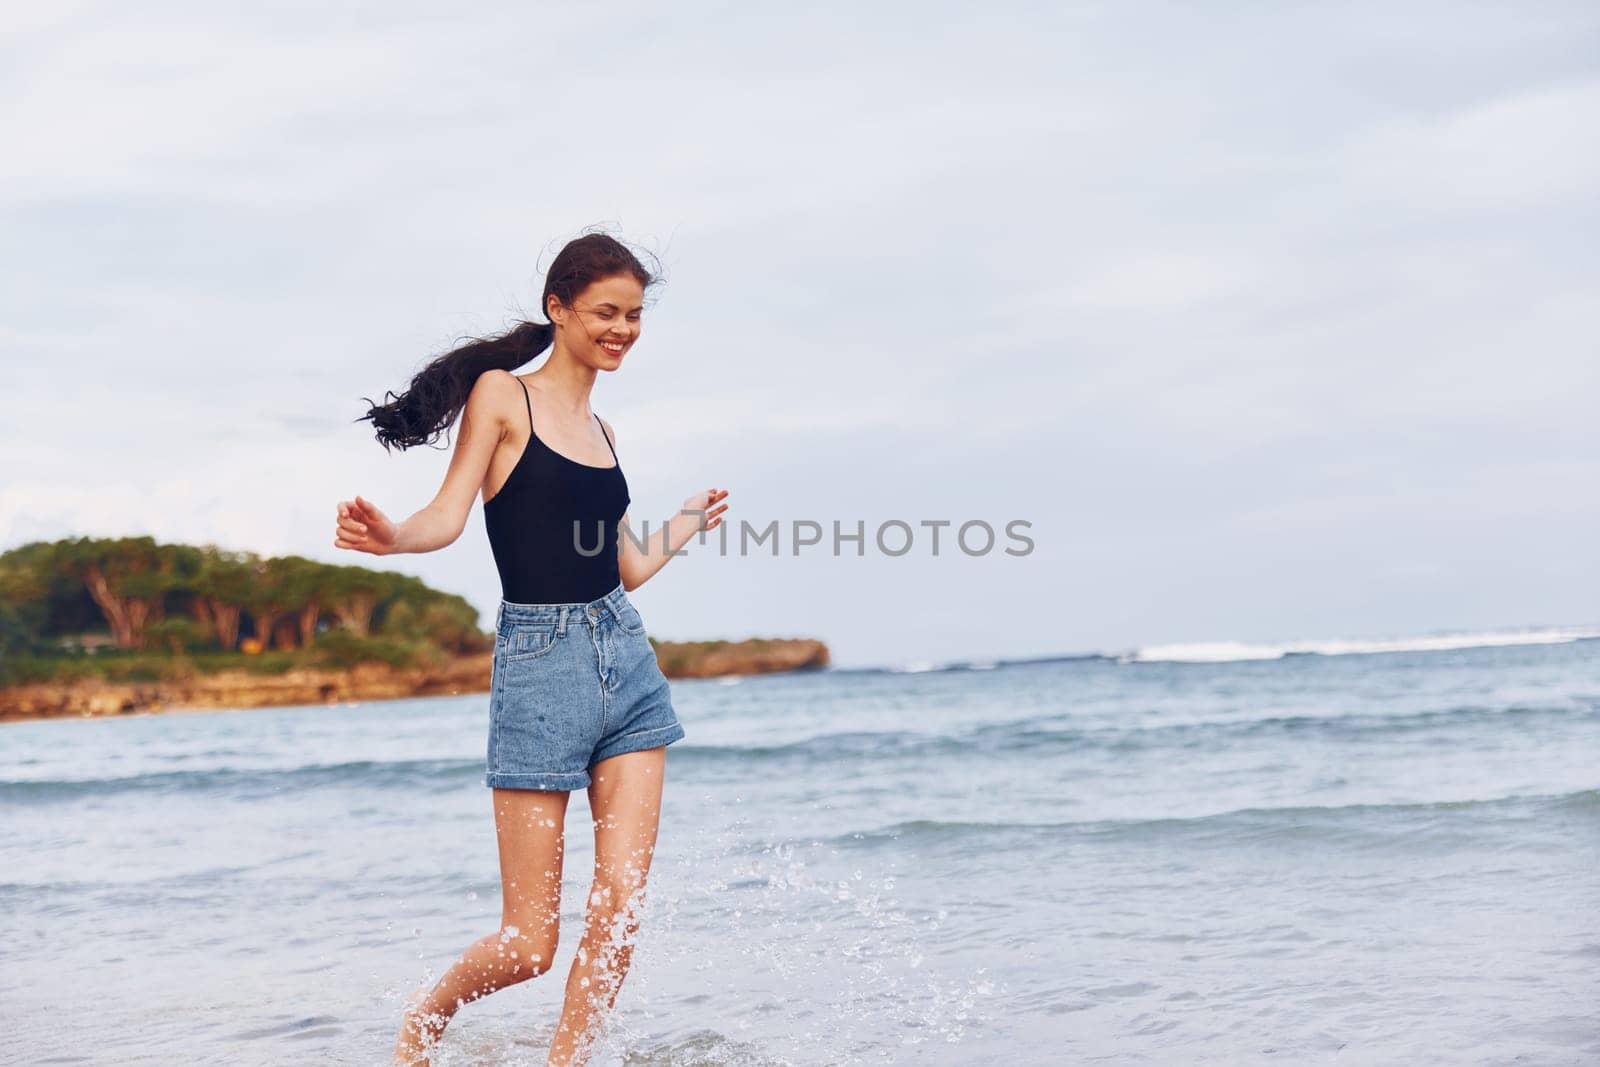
(572, 684)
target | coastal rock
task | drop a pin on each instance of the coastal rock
(370, 681)
(713, 659)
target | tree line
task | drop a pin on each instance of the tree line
(177, 598)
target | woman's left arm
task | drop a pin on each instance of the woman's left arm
(636, 562)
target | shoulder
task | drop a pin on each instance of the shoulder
(496, 381)
(494, 394)
(609, 431)
(498, 386)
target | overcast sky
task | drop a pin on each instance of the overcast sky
(1275, 322)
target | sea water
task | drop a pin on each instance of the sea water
(1367, 858)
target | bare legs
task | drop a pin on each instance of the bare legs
(625, 796)
(529, 825)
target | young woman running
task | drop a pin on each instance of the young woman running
(576, 698)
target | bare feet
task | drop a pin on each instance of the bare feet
(419, 1035)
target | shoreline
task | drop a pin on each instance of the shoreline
(365, 682)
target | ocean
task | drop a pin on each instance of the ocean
(1202, 855)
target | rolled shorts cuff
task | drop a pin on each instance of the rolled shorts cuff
(641, 740)
(551, 781)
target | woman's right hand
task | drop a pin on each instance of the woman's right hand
(363, 528)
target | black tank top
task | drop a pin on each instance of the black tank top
(530, 524)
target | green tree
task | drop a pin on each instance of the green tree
(221, 589)
(271, 601)
(354, 594)
(28, 577)
(128, 577)
(446, 621)
(307, 584)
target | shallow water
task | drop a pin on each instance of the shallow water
(1386, 858)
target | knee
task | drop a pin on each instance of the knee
(526, 967)
(616, 896)
(615, 908)
(523, 970)
(530, 953)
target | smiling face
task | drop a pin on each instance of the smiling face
(603, 321)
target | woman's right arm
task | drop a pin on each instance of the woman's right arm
(364, 528)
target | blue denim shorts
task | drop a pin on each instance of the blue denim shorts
(573, 684)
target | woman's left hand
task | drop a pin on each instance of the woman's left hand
(710, 517)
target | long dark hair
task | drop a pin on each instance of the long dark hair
(438, 392)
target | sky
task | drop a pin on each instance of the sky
(1271, 322)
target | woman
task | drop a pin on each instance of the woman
(576, 697)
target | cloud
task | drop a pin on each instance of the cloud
(1532, 149)
(1210, 278)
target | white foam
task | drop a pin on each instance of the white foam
(1232, 651)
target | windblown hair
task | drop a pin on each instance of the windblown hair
(437, 393)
